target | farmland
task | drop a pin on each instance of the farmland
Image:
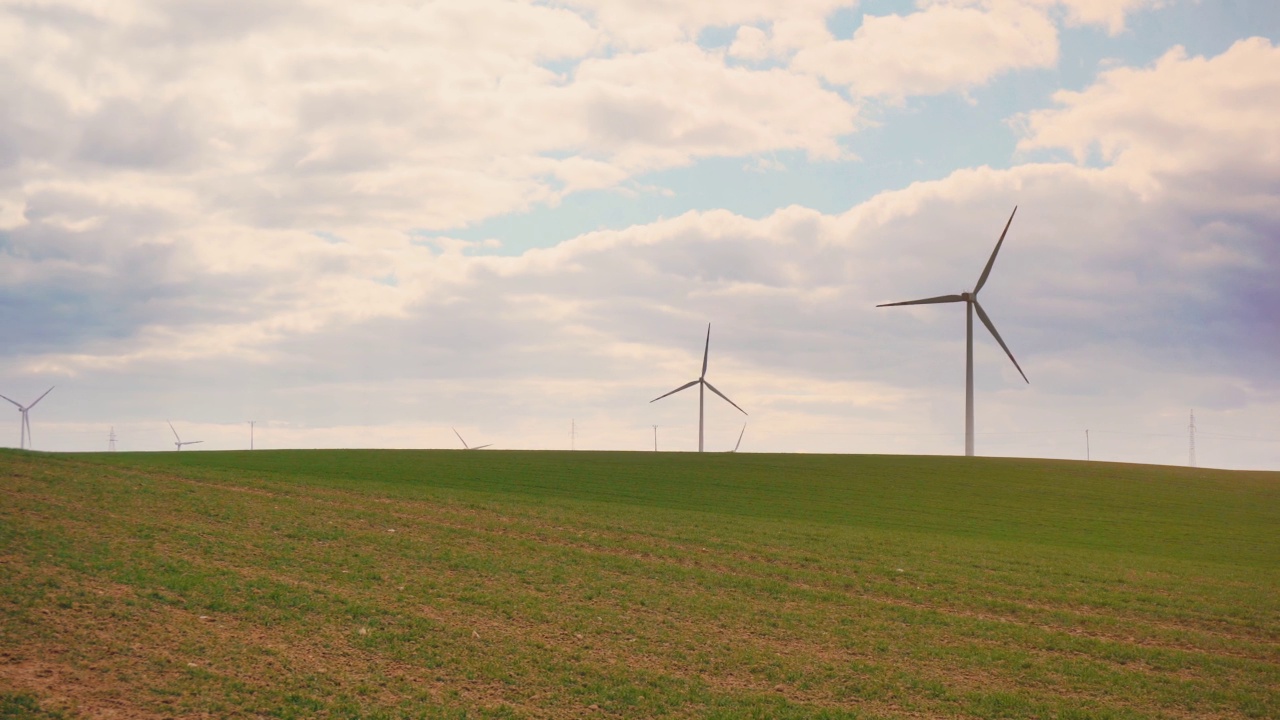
(387, 584)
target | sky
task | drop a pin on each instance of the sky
(364, 224)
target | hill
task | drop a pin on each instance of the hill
(555, 584)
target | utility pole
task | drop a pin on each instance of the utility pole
(251, 424)
(1191, 430)
(1086, 446)
(111, 440)
(655, 438)
(573, 434)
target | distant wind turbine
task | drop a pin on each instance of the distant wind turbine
(739, 443)
(971, 304)
(465, 446)
(24, 421)
(702, 383)
(178, 442)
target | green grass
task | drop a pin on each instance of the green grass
(521, 584)
(23, 706)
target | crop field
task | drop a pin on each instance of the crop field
(389, 584)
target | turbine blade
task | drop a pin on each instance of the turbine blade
(740, 434)
(15, 402)
(175, 432)
(927, 301)
(713, 389)
(192, 442)
(689, 384)
(26, 420)
(705, 350)
(982, 315)
(46, 392)
(478, 447)
(464, 442)
(987, 270)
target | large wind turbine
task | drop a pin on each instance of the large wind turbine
(178, 443)
(970, 299)
(702, 383)
(24, 421)
(465, 446)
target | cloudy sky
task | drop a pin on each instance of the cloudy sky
(361, 224)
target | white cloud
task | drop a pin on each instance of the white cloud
(1110, 13)
(664, 107)
(399, 115)
(247, 253)
(750, 43)
(1089, 265)
(638, 24)
(1182, 116)
(942, 48)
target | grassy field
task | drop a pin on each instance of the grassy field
(387, 584)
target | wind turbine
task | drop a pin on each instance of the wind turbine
(178, 443)
(970, 299)
(24, 422)
(465, 446)
(739, 443)
(702, 384)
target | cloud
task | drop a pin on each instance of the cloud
(1181, 116)
(945, 46)
(942, 48)
(643, 24)
(1107, 245)
(399, 115)
(750, 43)
(274, 234)
(663, 107)
(1107, 295)
(1110, 13)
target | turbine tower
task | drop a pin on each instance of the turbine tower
(24, 421)
(970, 299)
(177, 441)
(703, 385)
(465, 446)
